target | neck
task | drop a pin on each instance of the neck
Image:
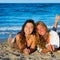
(26, 35)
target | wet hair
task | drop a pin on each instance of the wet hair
(22, 33)
(42, 40)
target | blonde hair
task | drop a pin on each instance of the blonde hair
(42, 40)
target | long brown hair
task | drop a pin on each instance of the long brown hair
(22, 33)
(42, 40)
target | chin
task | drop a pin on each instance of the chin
(42, 34)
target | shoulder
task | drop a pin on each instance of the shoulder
(18, 36)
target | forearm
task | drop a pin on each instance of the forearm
(45, 51)
(20, 46)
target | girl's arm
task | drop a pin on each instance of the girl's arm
(19, 44)
(50, 48)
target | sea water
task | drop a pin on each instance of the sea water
(13, 16)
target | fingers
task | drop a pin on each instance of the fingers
(26, 51)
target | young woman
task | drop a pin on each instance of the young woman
(25, 40)
(47, 41)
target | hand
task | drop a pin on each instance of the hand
(45, 51)
(26, 51)
(50, 47)
(9, 41)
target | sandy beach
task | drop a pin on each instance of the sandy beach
(13, 16)
(8, 53)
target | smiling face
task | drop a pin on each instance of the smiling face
(40, 29)
(28, 29)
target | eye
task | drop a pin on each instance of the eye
(26, 26)
(31, 26)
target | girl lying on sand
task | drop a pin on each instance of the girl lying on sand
(47, 41)
(25, 40)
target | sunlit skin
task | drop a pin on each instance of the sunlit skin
(41, 30)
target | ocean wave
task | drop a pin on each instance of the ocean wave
(19, 28)
(15, 29)
(10, 28)
(7, 33)
(52, 26)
